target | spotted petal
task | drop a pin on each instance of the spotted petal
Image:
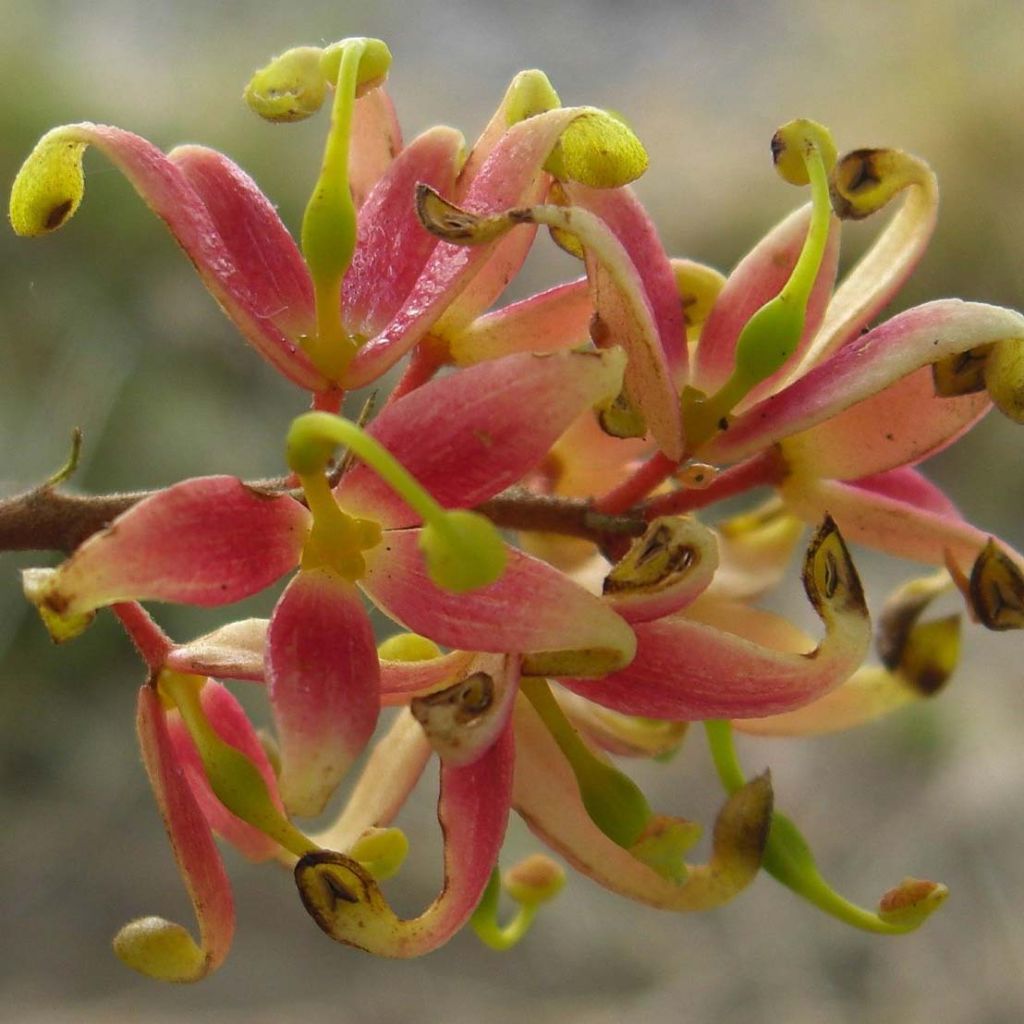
(685, 669)
(347, 903)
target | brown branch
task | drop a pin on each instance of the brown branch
(47, 519)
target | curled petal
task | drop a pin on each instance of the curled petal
(347, 903)
(400, 680)
(551, 320)
(904, 423)
(234, 651)
(664, 570)
(887, 521)
(867, 365)
(50, 186)
(880, 274)
(532, 608)
(758, 278)
(207, 541)
(687, 670)
(468, 436)
(323, 681)
(462, 721)
(392, 246)
(547, 797)
(152, 945)
(374, 141)
(393, 768)
(226, 716)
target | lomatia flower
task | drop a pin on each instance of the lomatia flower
(595, 419)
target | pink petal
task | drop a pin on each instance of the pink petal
(393, 768)
(512, 176)
(400, 680)
(551, 320)
(142, 943)
(759, 277)
(207, 541)
(903, 424)
(473, 812)
(864, 367)
(170, 194)
(883, 521)
(532, 609)
(234, 651)
(392, 244)
(620, 209)
(323, 681)
(469, 435)
(624, 316)
(231, 723)
(258, 243)
(374, 142)
(686, 670)
(547, 797)
(910, 486)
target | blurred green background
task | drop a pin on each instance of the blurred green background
(105, 326)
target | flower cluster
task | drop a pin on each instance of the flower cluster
(525, 508)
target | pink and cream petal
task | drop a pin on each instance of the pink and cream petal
(468, 436)
(259, 244)
(207, 541)
(881, 272)
(759, 277)
(533, 609)
(152, 945)
(629, 222)
(547, 797)
(347, 903)
(234, 651)
(226, 716)
(392, 246)
(375, 141)
(888, 523)
(624, 316)
(393, 768)
(323, 682)
(866, 366)
(512, 176)
(904, 423)
(687, 670)
(552, 320)
(622, 735)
